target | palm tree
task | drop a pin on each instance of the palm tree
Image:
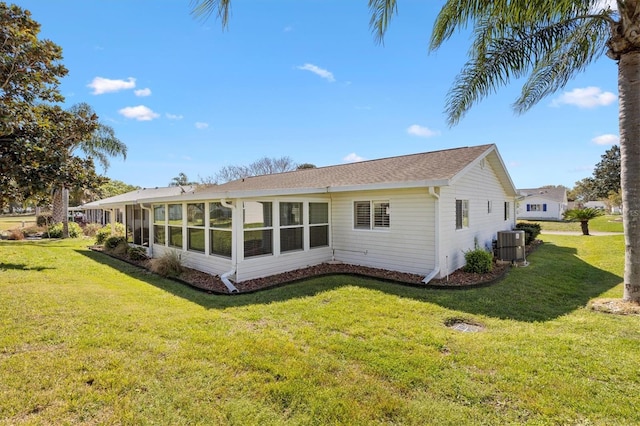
(583, 216)
(547, 43)
(181, 180)
(101, 145)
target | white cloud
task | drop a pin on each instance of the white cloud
(606, 139)
(327, 75)
(174, 116)
(142, 92)
(423, 132)
(102, 85)
(352, 158)
(201, 125)
(588, 97)
(140, 113)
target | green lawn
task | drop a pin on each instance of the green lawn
(13, 222)
(607, 223)
(87, 339)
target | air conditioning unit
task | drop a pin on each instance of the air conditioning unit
(511, 245)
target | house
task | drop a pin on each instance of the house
(415, 213)
(542, 203)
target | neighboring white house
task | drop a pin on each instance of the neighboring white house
(414, 213)
(542, 203)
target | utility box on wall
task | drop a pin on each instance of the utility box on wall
(511, 245)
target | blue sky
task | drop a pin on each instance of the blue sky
(303, 79)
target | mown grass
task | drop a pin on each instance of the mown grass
(606, 223)
(89, 339)
(16, 222)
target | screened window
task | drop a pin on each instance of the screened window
(462, 214)
(195, 214)
(220, 222)
(489, 206)
(368, 213)
(507, 210)
(159, 225)
(318, 224)
(291, 227)
(258, 228)
(175, 225)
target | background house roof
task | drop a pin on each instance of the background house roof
(552, 194)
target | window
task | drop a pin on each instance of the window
(536, 207)
(291, 227)
(363, 212)
(159, 222)
(195, 227)
(489, 206)
(462, 214)
(318, 224)
(258, 228)
(220, 221)
(507, 210)
(175, 225)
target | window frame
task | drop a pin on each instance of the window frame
(462, 214)
(377, 216)
(266, 228)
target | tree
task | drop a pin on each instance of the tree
(263, 166)
(547, 43)
(583, 191)
(181, 180)
(606, 174)
(544, 43)
(583, 216)
(305, 166)
(97, 142)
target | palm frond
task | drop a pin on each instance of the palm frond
(381, 13)
(584, 42)
(205, 8)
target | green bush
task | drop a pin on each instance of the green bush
(116, 245)
(55, 231)
(168, 265)
(137, 253)
(479, 261)
(105, 232)
(531, 231)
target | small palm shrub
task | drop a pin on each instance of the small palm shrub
(168, 265)
(117, 245)
(55, 231)
(479, 261)
(105, 232)
(531, 231)
(137, 253)
(44, 220)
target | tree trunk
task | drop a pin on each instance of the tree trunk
(60, 209)
(629, 110)
(584, 224)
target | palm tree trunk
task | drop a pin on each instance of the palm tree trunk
(60, 209)
(584, 224)
(629, 105)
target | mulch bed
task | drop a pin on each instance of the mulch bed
(457, 279)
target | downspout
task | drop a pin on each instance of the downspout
(436, 268)
(225, 277)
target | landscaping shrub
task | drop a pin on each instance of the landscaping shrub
(55, 231)
(44, 220)
(15, 234)
(116, 245)
(105, 232)
(168, 265)
(531, 231)
(91, 229)
(137, 253)
(479, 261)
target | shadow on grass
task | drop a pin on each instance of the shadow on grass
(555, 283)
(22, 267)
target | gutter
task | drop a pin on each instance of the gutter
(225, 277)
(436, 268)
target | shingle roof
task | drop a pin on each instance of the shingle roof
(428, 166)
(554, 194)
